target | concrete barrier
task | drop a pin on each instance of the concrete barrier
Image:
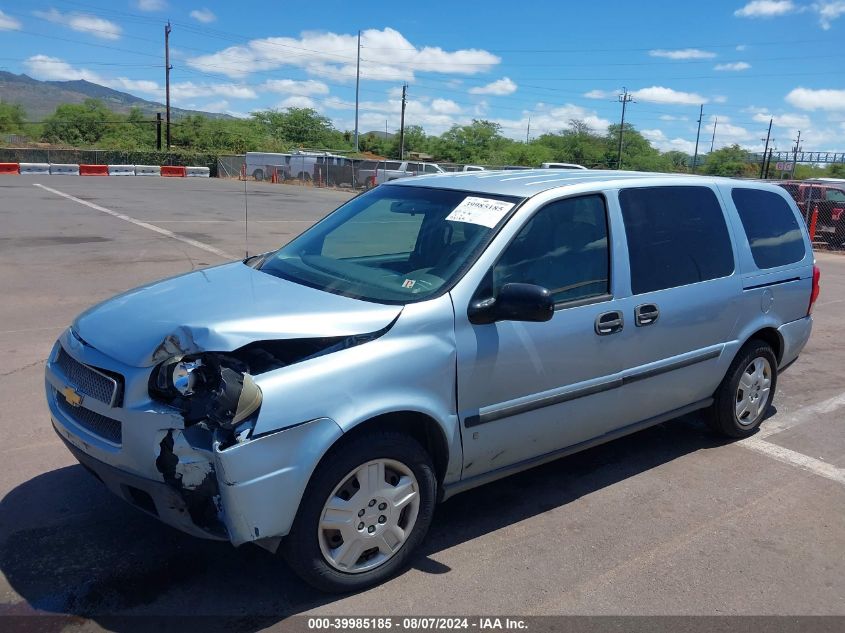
(197, 172)
(34, 169)
(121, 170)
(172, 171)
(147, 170)
(93, 170)
(64, 169)
(10, 168)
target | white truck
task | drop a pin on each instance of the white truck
(299, 166)
(387, 170)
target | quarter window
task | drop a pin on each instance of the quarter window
(676, 236)
(563, 248)
(775, 237)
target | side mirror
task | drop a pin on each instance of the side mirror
(513, 302)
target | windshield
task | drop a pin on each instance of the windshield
(394, 244)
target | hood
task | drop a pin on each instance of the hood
(221, 309)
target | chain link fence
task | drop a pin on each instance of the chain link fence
(106, 157)
(822, 203)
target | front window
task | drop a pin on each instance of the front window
(394, 244)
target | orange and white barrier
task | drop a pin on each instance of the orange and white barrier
(68, 169)
(172, 171)
(93, 170)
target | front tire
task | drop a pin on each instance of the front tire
(366, 509)
(743, 398)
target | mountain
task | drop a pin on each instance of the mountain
(40, 98)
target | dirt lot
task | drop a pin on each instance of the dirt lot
(667, 521)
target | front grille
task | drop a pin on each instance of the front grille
(91, 382)
(99, 425)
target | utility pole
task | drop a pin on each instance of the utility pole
(357, 88)
(763, 168)
(697, 135)
(402, 123)
(167, 68)
(713, 139)
(625, 98)
(158, 131)
(795, 152)
(528, 131)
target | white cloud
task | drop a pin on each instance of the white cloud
(741, 47)
(599, 94)
(8, 23)
(503, 86)
(82, 22)
(206, 16)
(729, 134)
(190, 90)
(290, 86)
(684, 53)
(216, 106)
(297, 101)
(829, 11)
(720, 99)
(151, 5)
(669, 117)
(386, 55)
(659, 94)
(787, 120)
(445, 106)
(732, 66)
(810, 99)
(52, 68)
(545, 119)
(766, 9)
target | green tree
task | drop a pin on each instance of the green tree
(637, 153)
(836, 171)
(300, 127)
(12, 116)
(78, 124)
(578, 143)
(473, 143)
(729, 161)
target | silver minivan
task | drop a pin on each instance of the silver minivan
(432, 335)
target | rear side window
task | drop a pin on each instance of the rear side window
(676, 236)
(773, 232)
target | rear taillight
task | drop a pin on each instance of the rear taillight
(815, 293)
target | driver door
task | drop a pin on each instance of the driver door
(529, 389)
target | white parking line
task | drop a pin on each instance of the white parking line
(788, 456)
(777, 424)
(145, 225)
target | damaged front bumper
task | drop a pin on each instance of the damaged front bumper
(242, 492)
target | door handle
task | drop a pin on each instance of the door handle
(609, 323)
(646, 314)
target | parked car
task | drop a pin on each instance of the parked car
(432, 335)
(298, 165)
(561, 166)
(473, 168)
(388, 170)
(827, 196)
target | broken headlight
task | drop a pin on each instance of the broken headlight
(207, 387)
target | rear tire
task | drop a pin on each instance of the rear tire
(258, 174)
(379, 490)
(743, 398)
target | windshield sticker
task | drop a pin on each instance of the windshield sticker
(483, 211)
(408, 283)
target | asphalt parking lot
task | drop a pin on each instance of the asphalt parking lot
(668, 521)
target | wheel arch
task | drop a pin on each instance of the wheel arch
(768, 335)
(420, 426)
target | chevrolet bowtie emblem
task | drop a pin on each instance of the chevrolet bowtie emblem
(73, 397)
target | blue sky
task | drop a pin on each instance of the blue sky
(503, 61)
